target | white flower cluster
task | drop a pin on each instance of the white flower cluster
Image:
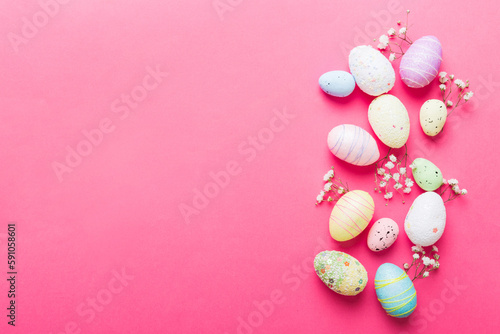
(446, 86)
(423, 264)
(391, 170)
(332, 186)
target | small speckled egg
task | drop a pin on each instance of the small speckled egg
(382, 234)
(341, 272)
(426, 174)
(426, 219)
(353, 145)
(372, 71)
(433, 116)
(395, 291)
(337, 83)
(389, 120)
(420, 64)
(351, 215)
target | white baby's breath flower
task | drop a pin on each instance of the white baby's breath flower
(449, 103)
(330, 199)
(384, 39)
(402, 31)
(452, 76)
(412, 166)
(434, 248)
(381, 171)
(389, 165)
(416, 248)
(319, 198)
(408, 182)
(416, 256)
(340, 190)
(464, 191)
(442, 74)
(407, 190)
(398, 186)
(383, 184)
(468, 95)
(391, 32)
(426, 260)
(382, 46)
(432, 262)
(452, 182)
(328, 186)
(393, 158)
(392, 57)
(406, 266)
(388, 195)
(328, 175)
(444, 181)
(442, 86)
(396, 177)
(387, 177)
(402, 170)
(460, 84)
(436, 265)
(456, 189)
(426, 274)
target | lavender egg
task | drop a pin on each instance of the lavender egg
(420, 64)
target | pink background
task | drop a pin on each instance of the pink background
(119, 208)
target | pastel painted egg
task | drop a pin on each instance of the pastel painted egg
(353, 144)
(382, 234)
(341, 272)
(395, 291)
(426, 174)
(420, 64)
(389, 120)
(372, 71)
(433, 116)
(337, 83)
(351, 215)
(426, 219)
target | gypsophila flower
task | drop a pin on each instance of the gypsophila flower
(398, 186)
(392, 57)
(416, 248)
(468, 95)
(426, 260)
(380, 171)
(434, 248)
(426, 274)
(402, 170)
(383, 184)
(393, 158)
(442, 74)
(406, 266)
(320, 196)
(402, 31)
(389, 165)
(396, 177)
(384, 39)
(436, 265)
(387, 177)
(328, 186)
(341, 190)
(432, 262)
(449, 103)
(456, 189)
(391, 32)
(412, 166)
(444, 181)
(451, 76)
(330, 199)
(328, 175)
(442, 87)
(443, 80)
(409, 183)
(388, 195)
(460, 84)
(464, 191)
(416, 256)
(382, 46)
(407, 190)
(452, 182)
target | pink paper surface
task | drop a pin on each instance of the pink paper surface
(102, 247)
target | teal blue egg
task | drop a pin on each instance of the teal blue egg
(426, 174)
(395, 291)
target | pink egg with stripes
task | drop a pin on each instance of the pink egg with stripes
(420, 64)
(353, 144)
(351, 215)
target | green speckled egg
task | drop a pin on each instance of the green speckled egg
(341, 272)
(426, 174)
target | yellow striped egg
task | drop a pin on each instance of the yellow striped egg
(351, 215)
(395, 291)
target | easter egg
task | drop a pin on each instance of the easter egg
(341, 272)
(372, 71)
(353, 144)
(389, 120)
(382, 234)
(351, 215)
(337, 83)
(395, 291)
(420, 64)
(426, 219)
(426, 174)
(433, 116)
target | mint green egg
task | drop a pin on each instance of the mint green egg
(426, 174)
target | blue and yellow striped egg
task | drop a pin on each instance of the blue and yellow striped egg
(395, 291)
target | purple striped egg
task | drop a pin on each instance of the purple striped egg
(353, 144)
(420, 64)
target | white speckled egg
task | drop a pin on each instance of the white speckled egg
(341, 272)
(382, 234)
(420, 64)
(353, 144)
(337, 83)
(426, 219)
(395, 291)
(433, 116)
(389, 120)
(372, 71)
